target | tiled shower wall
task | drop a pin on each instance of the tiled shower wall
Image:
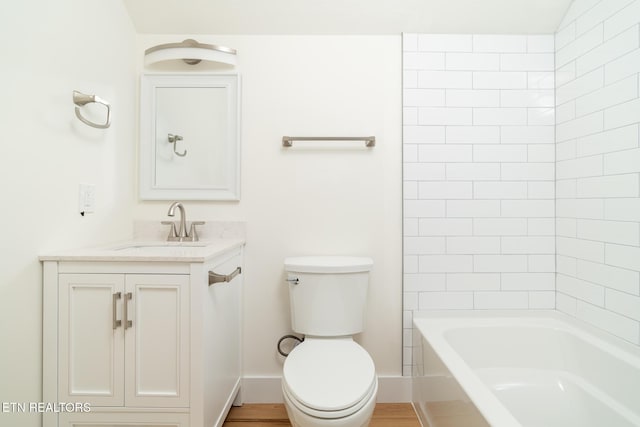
(478, 132)
(598, 165)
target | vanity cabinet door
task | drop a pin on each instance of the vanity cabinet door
(124, 340)
(222, 342)
(157, 340)
(91, 345)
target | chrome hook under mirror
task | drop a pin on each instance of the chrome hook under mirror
(173, 139)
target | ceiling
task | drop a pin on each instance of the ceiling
(346, 16)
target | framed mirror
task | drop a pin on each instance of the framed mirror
(189, 137)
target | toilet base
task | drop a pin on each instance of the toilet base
(359, 419)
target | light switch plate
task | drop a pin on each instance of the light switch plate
(86, 198)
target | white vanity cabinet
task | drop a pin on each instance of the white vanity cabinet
(142, 340)
(123, 339)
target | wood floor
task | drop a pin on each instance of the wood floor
(274, 415)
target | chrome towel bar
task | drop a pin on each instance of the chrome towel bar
(369, 141)
(220, 278)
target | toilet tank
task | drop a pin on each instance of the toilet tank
(328, 294)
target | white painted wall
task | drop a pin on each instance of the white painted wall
(354, 17)
(298, 202)
(478, 173)
(598, 165)
(48, 50)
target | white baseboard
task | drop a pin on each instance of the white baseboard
(394, 389)
(391, 389)
(261, 390)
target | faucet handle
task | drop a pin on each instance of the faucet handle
(173, 234)
(193, 234)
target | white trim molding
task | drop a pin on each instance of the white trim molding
(391, 389)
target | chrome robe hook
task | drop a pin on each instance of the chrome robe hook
(173, 139)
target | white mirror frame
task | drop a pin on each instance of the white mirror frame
(147, 154)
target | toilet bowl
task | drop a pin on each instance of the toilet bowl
(328, 380)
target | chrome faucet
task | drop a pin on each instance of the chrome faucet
(181, 235)
(182, 228)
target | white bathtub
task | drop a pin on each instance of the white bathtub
(533, 369)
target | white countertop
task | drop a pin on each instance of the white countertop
(149, 244)
(145, 251)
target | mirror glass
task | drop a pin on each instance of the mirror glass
(189, 147)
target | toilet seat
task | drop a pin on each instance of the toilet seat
(330, 415)
(329, 378)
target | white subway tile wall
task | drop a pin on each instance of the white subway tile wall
(479, 173)
(502, 208)
(598, 165)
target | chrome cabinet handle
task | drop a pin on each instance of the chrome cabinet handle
(127, 323)
(219, 278)
(116, 296)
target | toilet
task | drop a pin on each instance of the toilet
(328, 380)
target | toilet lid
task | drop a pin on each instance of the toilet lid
(328, 264)
(329, 374)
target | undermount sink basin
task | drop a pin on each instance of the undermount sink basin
(157, 246)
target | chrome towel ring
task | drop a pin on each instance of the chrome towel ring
(80, 99)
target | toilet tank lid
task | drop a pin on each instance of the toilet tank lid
(328, 264)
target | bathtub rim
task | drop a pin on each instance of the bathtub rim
(432, 326)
